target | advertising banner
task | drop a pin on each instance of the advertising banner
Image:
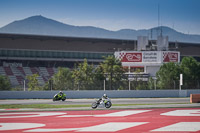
(170, 57)
(151, 56)
(131, 57)
(148, 56)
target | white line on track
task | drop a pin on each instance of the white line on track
(181, 126)
(192, 112)
(16, 126)
(111, 126)
(115, 114)
(28, 114)
(106, 127)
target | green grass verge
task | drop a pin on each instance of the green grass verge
(39, 106)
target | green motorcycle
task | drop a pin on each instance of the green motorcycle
(59, 97)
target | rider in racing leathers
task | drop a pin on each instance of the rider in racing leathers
(104, 98)
(60, 94)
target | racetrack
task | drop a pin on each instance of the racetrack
(89, 101)
(167, 120)
(133, 103)
(149, 115)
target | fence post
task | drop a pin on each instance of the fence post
(104, 83)
(155, 83)
(24, 85)
(174, 84)
(78, 86)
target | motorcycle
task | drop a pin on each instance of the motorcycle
(101, 104)
(58, 97)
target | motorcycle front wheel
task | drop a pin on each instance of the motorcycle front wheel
(108, 104)
(94, 105)
(54, 99)
(64, 98)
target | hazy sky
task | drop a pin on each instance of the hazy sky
(182, 15)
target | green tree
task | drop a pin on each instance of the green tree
(62, 80)
(190, 69)
(170, 72)
(83, 75)
(151, 83)
(33, 83)
(99, 74)
(113, 70)
(167, 75)
(4, 83)
(138, 83)
(99, 78)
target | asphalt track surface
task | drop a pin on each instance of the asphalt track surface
(162, 120)
(151, 115)
(136, 103)
(89, 101)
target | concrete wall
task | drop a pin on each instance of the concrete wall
(97, 94)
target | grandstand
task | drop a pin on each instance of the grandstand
(22, 55)
(17, 74)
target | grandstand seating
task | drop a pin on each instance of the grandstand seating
(2, 71)
(8, 71)
(20, 80)
(21, 70)
(13, 80)
(18, 74)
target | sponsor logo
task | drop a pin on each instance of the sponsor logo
(132, 57)
(170, 57)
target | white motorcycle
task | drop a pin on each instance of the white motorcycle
(102, 104)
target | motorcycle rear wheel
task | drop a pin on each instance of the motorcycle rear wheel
(94, 105)
(54, 99)
(64, 98)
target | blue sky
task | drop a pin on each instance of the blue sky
(182, 15)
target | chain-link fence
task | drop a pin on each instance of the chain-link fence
(121, 85)
(135, 85)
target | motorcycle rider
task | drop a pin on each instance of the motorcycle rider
(104, 98)
(104, 101)
(60, 94)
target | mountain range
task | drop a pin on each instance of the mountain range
(39, 25)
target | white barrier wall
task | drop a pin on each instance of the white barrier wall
(97, 94)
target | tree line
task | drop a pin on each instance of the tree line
(110, 74)
(169, 74)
